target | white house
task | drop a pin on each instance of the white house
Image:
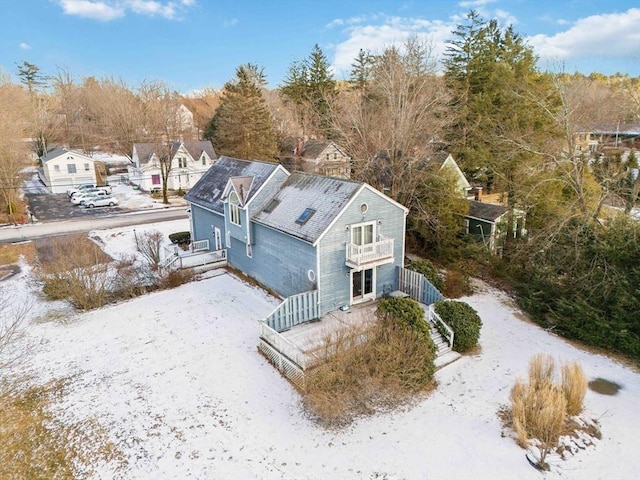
(63, 169)
(189, 161)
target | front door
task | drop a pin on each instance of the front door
(363, 285)
(217, 236)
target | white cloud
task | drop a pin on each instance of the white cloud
(107, 10)
(152, 8)
(607, 35)
(25, 46)
(474, 4)
(394, 30)
(93, 10)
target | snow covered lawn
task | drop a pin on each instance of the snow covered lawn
(176, 379)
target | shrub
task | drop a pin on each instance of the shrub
(365, 368)
(574, 387)
(426, 268)
(540, 408)
(180, 192)
(149, 244)
(463, 320)
(456, 284)
(405, 312)
(180, 238)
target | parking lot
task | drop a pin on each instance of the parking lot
(54, 207)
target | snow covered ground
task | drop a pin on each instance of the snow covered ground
(176, 379)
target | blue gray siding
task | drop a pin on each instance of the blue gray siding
(202, 221)
(279, 262)
(334, 281)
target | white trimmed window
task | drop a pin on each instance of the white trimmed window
(234, 209)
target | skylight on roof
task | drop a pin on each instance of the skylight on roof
(271, 205)
(305, 216)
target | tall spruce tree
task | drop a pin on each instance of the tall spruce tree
(310, 86)
(498, 127)
(242, 125)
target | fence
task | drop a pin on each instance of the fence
(197, 256)
(417, 286)
(294, 310)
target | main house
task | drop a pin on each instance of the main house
(189, 161)
(62, 169)
(300, 232)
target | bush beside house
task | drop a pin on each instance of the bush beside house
(464, 321)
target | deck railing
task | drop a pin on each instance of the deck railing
(294, 310)
(197, 255)
(283, 346)
(200, 245)
(360, 255)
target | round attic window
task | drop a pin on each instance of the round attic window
(311, 275)
(363, 208)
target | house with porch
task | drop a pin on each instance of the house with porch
(190, 159)
(328, 246)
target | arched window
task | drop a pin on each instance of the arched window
(234, 209)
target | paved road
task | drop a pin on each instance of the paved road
(79, 225)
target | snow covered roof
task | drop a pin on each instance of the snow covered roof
(207, 192)
(319, 198)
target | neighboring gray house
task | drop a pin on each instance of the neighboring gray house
(315, 156)
(296, 232)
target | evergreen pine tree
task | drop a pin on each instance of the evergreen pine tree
(242, 125)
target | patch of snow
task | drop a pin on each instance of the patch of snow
(176, 379)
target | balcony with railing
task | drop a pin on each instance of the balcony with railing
(370, 254)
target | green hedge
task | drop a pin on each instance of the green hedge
(463, 320)
(180, 238)
(406, 312)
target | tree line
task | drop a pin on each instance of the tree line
(511, 127)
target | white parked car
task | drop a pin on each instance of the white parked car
(88, 188)
(80, 198)
(80, 188)
(101, 201)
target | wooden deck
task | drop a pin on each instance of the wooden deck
(311, 336)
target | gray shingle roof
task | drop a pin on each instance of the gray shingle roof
(313, 148)
(326, 195)
(194, 147)
(486, 211)
(55, 153)
(145, 151)
(207, 192)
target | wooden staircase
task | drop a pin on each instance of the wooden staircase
(444, 354)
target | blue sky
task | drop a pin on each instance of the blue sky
(192, 44)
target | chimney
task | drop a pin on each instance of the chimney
(478, 192)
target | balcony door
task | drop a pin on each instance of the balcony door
(363, 233)
(363, 285)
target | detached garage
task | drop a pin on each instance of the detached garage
(64, 169)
